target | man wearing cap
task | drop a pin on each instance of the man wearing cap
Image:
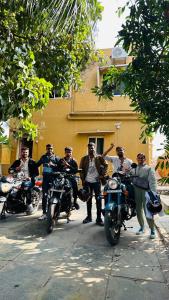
(70, 166)
(120, 162)
(50, 164)
(93, 169)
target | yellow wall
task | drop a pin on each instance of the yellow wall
(70, 122)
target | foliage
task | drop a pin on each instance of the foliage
(3, 138)
(163, 164)
(43, 45)
(145, 36)
(110, 83)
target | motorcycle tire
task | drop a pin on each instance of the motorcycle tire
(112, 230)
(36, 197)
(51, 218)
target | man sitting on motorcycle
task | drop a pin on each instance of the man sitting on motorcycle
(69, 165)
(28, 167)
(120, 164)
(50, 164)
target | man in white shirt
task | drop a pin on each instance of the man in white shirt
(120, 162)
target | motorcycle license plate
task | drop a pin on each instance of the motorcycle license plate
(113, 191)
(58, 191)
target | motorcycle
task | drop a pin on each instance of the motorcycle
(60, 196)
(14, 190)
(119, 200)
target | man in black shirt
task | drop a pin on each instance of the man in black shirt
(69, 165)
(50, 164)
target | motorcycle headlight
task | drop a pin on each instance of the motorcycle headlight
(113, 184)
(5, 187)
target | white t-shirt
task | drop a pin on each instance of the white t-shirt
(24, 168)
(124, 166)
(92, 174)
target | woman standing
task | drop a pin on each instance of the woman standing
(146, 172)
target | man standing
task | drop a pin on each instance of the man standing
(93, 171)
(120, 162)
(50, 163)
(28, 167)
(70, 166)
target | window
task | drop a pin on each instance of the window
(57, 95)
(99, 142)
(118, 89)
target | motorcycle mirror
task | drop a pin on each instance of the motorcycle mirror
(134, 165)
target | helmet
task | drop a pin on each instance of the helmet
(154, 203)
(84, 195)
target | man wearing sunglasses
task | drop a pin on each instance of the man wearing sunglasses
(50, 163)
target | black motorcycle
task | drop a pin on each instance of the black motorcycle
(60, 196)
(14, 191)
(119, 205)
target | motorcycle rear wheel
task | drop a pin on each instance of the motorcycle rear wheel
(112, 230)
(51, 218)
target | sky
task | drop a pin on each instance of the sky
(106, 37)
(110, 24)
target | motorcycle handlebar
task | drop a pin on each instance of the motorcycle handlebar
(65, 173)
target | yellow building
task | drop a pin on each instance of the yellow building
(82, 118)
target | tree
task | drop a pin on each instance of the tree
(145, 37)
(44, 45)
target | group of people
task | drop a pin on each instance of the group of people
(122, 163)
(51, 163)
(93, 168)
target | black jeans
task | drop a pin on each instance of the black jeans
(74, 187)
(96, 187)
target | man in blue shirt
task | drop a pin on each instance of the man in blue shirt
(50, 163)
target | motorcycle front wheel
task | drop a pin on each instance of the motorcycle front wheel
(36, 196)
(51, 218)
(112, 229)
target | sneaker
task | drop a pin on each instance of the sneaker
(140, 231)
(43, 217)
(30, 209)
(87, 220)
(99, 222)
(152, 234)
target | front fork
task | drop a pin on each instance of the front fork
(111, 205)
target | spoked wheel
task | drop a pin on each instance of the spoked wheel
(51, 218)
(2, 210)
(36, 197)
(112, 229)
